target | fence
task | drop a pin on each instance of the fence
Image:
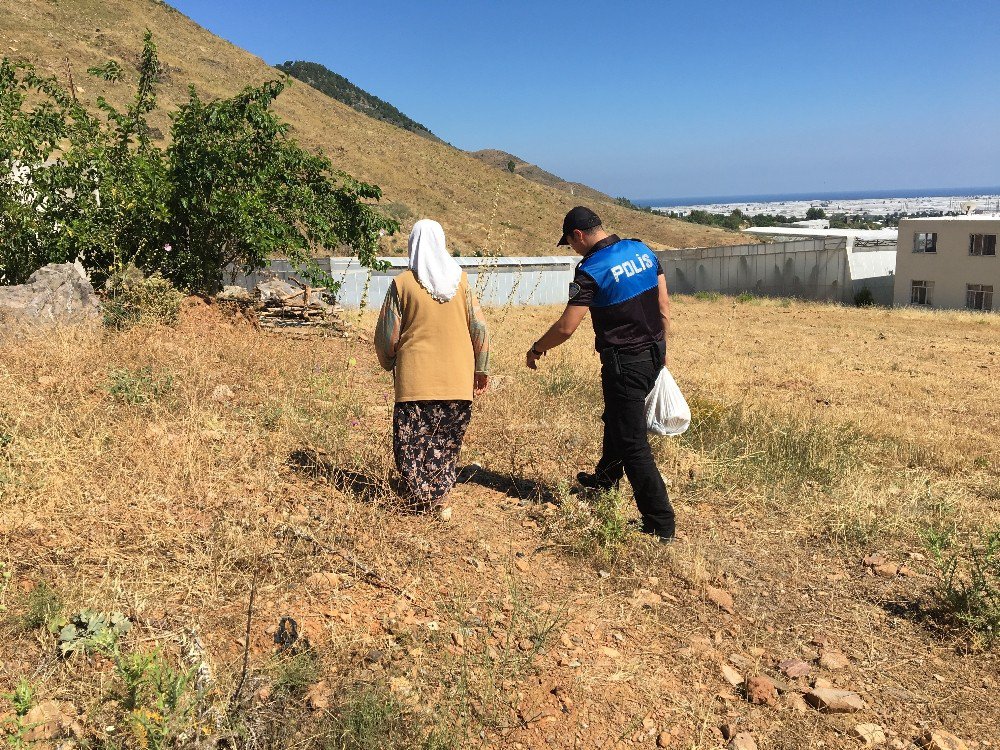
(830, 269)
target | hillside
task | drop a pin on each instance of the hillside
(502, 160)
(185, 477)
(336, 86)
(481, 208)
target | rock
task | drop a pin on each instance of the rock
(796, 702)
(526, 644)
(223, 393)
(56, 293)
(874, 560)
(870, 734)
(833, 660)
(731, 676)
(721, 598)
(821, 639)
(318, 696)
(325, 581)
(742, 741)
(445, 514)
(822, 682)
(663, 739)
(234, 293)
(889, 570)
(938, 739)
(832, 701)
(761, 691)
(793, 668)
(49, 720)
(611, 653)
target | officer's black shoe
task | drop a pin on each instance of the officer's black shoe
(663, 536)
(595, 482)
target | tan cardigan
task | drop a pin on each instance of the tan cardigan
(434, 357)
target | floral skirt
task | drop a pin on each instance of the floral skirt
(426, 439)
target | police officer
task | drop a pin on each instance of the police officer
(621, 282)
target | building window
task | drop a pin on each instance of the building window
(921, 292)
(979, 297)
(982, 244)
(925, 242)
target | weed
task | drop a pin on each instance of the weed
(745, 297)
(23, 697)
(295, 672)
(44, 606)
(138, 386)
(597, 529)
(13, 726)
(89, 631)
(560, 380)
(156, 698)
(707, 296)
(132, 299)
(752, 445)
(968, 588)
(374, 719)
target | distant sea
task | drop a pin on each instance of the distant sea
(843, 195)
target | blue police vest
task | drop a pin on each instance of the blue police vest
(622, 271)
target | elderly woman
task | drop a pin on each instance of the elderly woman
(431, 334)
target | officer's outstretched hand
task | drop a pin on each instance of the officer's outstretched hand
(531, 359)
(480, 383)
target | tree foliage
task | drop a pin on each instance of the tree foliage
(231, 190)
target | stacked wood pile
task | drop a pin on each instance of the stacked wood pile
(280, 304)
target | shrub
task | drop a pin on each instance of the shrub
(43, 607)
(745, 297)
(864, 298)
(968, 586)
(132, 299)
(138, 386)
(707, 296)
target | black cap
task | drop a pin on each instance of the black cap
(580, 217)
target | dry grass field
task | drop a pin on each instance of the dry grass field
(183, 477)
(482, 209)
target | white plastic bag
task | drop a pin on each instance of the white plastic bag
(667, 413)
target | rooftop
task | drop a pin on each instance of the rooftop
(858, 234)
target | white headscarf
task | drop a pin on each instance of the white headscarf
(436, 271)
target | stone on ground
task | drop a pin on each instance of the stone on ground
(794, 668)
(938, 739)
(870, 734)
(731, 676)
(832, 701)
(742, 741)
(56, 293)
(721, 598)
(833, 660)
(761, 691)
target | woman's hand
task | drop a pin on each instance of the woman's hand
(479, 383)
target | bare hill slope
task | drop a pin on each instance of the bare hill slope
(480, 207)
(529, 171)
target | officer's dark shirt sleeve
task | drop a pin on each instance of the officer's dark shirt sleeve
(582, 290)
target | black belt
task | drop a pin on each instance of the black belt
(651, 352)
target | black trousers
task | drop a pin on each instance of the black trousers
(626, 444)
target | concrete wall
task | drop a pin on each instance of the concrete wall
(951, 268)
(497, 281)
(814, 269)
(808, 269)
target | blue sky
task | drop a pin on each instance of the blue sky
(664, 99)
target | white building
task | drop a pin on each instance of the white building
(948, 262)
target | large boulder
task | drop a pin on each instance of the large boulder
(56, 293)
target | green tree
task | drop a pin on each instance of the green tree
(815, 212)
(232, 188)
(511, 166)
